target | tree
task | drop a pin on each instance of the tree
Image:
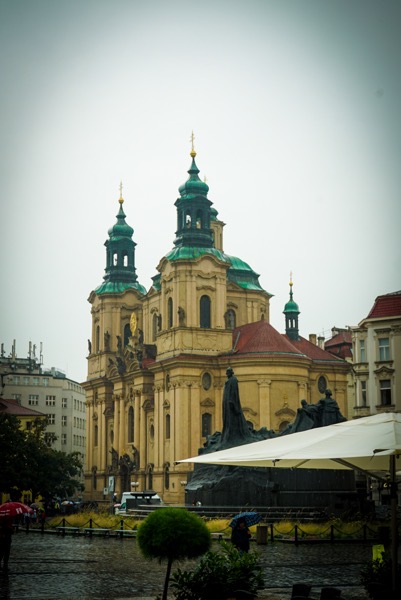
(28, 463)
(173, 534)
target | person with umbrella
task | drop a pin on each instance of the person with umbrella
(240, 535)
(6, 531)
(8, 511)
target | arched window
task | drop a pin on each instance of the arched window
(170, 312)
(199, 219)
(167, 427)
(188, 219)
(97, 338)
(115, 259)
(230, 319)
(131, 424)
(205, 312)
(150, 476)
(154, 327)
(206, 424)
(167, 476)
(125, 259)
(127, 334)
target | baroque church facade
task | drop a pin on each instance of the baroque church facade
(157, 359)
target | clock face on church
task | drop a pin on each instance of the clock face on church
(132, 323)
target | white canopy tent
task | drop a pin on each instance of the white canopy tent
(371, 445)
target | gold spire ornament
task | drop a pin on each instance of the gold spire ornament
(121, 199)
(192, 153)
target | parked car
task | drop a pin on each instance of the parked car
(131, 500)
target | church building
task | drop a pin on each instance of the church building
(157, 359)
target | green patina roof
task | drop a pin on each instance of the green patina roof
(121, 229)
(194, 186)
(239, 272)
(291, 306)
(118, 287)
(192, 252)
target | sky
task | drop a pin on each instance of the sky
(295, 108)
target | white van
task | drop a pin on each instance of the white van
(131, 500)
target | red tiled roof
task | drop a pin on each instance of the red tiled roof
(312, 351)
(340, 344)
(388, 305)
(11, 407)
(261, 338)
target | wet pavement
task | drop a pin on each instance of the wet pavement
(52, 567)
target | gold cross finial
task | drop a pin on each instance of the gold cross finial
(291, 279)
(121, 199)
(192, 153)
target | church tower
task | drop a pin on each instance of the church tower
(291, 312)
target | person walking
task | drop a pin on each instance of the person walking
(240, 536)
(6, 531)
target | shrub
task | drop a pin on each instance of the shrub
(376, 577)
(219, 575)
(173, 534)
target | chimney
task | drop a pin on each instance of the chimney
(312, 338)
(320, 341)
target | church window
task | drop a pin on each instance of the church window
(97, 338)
(230, 319)
(199, 219)
(154, 327)
(205, 312)
(170, 312)
(125, 259)
(152, 431)
(167, 382)
(115, 259)
(206, 381)
(188, 219)
(96, 436)
(322, 384)
(167, 476)
(206, 424)
(131, 423)
(150, 477)
(127, 334)
(167, 427)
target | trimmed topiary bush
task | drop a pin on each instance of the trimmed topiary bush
(173, 534)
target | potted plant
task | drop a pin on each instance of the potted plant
(220, 575)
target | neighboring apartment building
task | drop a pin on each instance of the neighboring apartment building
(49, 392)
(377, 357)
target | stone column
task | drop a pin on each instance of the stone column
(264, 403)
(102, 437)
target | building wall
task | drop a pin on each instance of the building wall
(51, 393)
(372, 371)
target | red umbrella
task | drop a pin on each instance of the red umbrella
(13, 509)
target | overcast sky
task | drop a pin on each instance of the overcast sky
(295, 106)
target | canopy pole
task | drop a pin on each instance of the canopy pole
(394, 525)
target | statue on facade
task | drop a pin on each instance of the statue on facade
(89, 347)
(106, 340)
(181, 316)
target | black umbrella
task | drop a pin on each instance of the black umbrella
(250, 518)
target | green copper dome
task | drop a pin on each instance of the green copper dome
(121, 228)
(194, 186)
(242, 274)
